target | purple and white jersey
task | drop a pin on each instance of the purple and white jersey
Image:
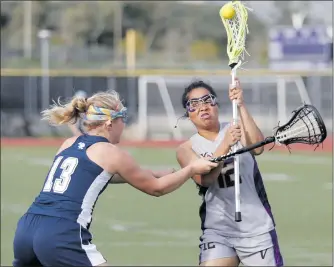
(218, 208)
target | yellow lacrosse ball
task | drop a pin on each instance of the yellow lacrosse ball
(227, 11)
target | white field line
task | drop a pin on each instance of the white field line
(148, 244)
(13, 208)
(135, 264)
(295, 159)
(328, 186)
(137, 227)
(149, 264)
(276, 177)
(145, 228)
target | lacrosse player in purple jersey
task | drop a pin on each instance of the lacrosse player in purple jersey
(224, 242)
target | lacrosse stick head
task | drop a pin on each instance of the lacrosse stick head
(236, 30)
(306, 126)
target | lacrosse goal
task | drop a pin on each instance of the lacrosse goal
(270, 98)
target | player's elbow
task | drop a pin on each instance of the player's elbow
(258, 151)
(163, 187)
(155, 189)
(160, 190)
(154, 192)
(157, 193)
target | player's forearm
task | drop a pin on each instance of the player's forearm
(208, 179)
(222, 149)
(117, 179)
(251, 132)
(173, 181)
(158, 174)
(185, 155)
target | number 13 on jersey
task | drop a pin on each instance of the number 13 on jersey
(226, 177)
(60, 185)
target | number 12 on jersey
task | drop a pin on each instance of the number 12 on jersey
(226, 177)
(60, 184)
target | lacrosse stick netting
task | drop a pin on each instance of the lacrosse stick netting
(236, 30)
(306, 126)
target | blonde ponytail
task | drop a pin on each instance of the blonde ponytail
(59, 114)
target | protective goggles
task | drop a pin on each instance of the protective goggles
(195, 103)
(102, 114)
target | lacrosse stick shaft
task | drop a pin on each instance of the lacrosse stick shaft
(268, 140)
(236, 159)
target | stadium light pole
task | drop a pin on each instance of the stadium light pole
(27, 28)
(44, 36)
(118, 31)
(329, 31)
(130, 49)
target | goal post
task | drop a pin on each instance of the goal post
(143, 115)
(269, 98)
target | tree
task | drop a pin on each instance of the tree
(14, 32)
(4, 19)
(78, 22)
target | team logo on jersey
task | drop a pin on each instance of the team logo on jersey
(263, 253)
(81, 145)
(207, 154)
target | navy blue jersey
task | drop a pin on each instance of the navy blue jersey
(73, 184)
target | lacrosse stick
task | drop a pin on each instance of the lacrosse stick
(305, 127)
(234, 16)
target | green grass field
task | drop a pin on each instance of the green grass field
(131, 228)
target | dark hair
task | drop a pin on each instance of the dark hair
(195, 85)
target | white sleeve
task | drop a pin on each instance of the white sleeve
(224, 126)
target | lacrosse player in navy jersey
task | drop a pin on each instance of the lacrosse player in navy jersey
(55, 229)
(224, 242)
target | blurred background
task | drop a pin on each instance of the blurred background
(149, 51)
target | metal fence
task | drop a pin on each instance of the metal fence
(270, 96)
(24, 96)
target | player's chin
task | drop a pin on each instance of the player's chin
(208, 123)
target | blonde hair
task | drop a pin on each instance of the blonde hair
(59, 114)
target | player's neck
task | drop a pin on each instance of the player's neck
(210, 133)
(97, 133)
